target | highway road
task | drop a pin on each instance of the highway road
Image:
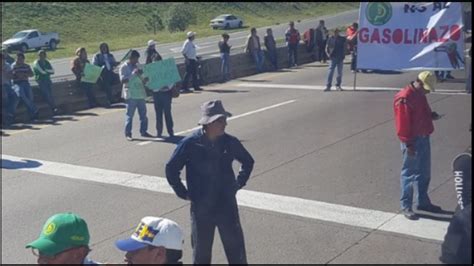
(325, 187)
(207, 47)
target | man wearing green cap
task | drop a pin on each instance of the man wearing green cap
(63, 240)
(414, 125)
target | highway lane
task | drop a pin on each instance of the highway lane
(324, 153)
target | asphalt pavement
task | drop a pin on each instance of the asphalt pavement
(325, 187)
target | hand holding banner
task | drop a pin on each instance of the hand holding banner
(161, 74)
(91, 73)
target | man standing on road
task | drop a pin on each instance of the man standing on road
(270, 45)
(190, 60)
(253, 47)
(63, 240)
(224, 49)
(21, 73)
(321, 36)
(414, 125)
(106, 60)
(335, 49)
(134, 95)
(292, 37)
(43, 70)
(155, 241)
(211, 184)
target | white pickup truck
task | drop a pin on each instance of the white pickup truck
(31, 39)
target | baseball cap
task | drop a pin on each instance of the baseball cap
(151, 43)
(428, 80)
(153, 231)
(190, 34)
(60, 232)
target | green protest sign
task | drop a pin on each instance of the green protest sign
(136, 89)
(91, 73)
(161, 74)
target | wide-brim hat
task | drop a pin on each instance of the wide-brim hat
(190, 34)
(211, 111)
(428, 80)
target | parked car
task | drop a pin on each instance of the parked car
(31, 39)
(226, 21)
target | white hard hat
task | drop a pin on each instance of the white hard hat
(151, 43)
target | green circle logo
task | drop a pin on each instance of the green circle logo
(378, 13)
(50, 229)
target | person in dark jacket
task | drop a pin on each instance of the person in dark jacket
(270, 45)
(321, 36)
(106, 60)
(335, 49)
(151, 53)
(211, 184)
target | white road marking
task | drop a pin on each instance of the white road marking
(231, 118)
(341, 214)
(349, 88)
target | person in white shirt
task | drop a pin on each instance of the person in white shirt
(190, 59)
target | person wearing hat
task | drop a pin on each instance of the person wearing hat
(63, 240)
(155, 241)
(190, 60)
(78, 65)
(43, 70)
(151, 53)
(104, 58)
(211, 186)
(414, 125)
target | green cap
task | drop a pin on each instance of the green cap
(62, 231)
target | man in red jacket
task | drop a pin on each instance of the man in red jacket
(414, 124)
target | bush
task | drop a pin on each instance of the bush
(154, 22)
(179, 17)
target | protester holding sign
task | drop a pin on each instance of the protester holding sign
(161, 95)
(106, 60)
(78, 65)
(133, 91)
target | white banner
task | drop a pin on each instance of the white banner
(410, 36)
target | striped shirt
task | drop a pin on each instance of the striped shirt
(21, 72)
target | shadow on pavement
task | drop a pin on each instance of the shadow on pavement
(382, 72)
(174, 140)
(4, 134)
(253, 80)
(435, 217)
(7, 164)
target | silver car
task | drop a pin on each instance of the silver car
(226, 21)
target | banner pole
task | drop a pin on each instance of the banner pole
(355, 75)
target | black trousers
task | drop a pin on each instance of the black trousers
(226, 219)
(191, 71)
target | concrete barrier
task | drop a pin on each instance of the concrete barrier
(70, 98)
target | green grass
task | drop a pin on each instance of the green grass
(121, 25)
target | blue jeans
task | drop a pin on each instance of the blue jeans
(272, 56)
(26, 94)
(258, 58)
(416, 169)
(335, 62)
(9, 102)
(292, 54)
(132, 105)
(87, 88)
(45, 88)
(162, 102)
(225, 57)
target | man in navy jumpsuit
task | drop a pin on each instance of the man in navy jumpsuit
(208, 154)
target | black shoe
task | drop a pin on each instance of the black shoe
(327, 89)
(146, 135)
(186, 91)
(409, 214)
(430, 208)
(171, 135)
(198, 89)
(450, 77)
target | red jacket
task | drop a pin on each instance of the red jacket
(412, 114)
